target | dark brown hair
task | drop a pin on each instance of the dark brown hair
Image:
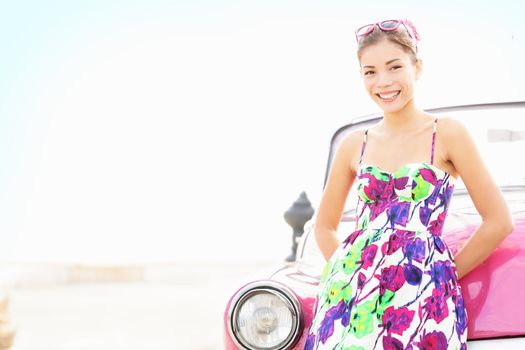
(399, 37)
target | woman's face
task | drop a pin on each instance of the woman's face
(389, 75)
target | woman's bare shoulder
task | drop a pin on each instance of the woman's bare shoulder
(353, 139)
(453, 136)
(351, 146)
(452, 129)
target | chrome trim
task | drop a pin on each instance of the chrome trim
(309, 228)
(279, 290)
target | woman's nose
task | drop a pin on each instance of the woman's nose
(383, 81)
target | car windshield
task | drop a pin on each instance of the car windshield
(497, 130)
(499, 133)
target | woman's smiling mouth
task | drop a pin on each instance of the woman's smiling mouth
(389, 96)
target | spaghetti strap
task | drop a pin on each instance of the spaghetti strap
(363, 145)
(433, 141)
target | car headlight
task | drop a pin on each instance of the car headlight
(265, 315)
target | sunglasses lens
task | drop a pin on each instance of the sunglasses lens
(389, 25)
(365, 30)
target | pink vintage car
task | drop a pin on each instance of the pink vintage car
(275, 312)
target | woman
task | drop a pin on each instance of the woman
(393, 282)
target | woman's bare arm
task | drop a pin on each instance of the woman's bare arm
(487, 198)
(340, 180)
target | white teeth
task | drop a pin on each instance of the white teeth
(389, 96)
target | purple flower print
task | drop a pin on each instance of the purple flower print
(461, 313)
(391, 343)
(375, 188)
(368, 255)
(440, 244)
(400, 182)
(424, 215)
(436, 226)
(414, 250)
(447, 195)
(412, 274)
(397, 320)
(436, 306)
(310, 341)
(435, 195)
(391, 278)
(395, 241)
(327, 324)
(441, 272)
(428, 175)
(345, 319)
(352, 237)
(361, 279)
(398, 213)
(420, 309)
(432, 341)
(379, 207)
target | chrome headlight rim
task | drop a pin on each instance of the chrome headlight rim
(277, 289)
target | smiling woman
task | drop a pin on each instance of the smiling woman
(399, 69)
(393, 282)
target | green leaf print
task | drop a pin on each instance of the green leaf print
(379, 174)
(339, 290)
(402, 198)
(362, 193)
(383, 302)
(361, 318)
(352, 259)
(422, 188)
(353, 347)
(363, 222)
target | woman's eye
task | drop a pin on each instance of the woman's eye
(395, 67)
(370, 71)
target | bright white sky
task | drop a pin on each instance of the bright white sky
(167, 131)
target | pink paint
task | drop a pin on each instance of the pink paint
(228, 341)
(495, 290)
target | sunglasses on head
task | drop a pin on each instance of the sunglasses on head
(387, 26)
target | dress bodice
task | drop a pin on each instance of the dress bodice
(415, 197)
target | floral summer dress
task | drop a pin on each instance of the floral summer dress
(392, 283)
